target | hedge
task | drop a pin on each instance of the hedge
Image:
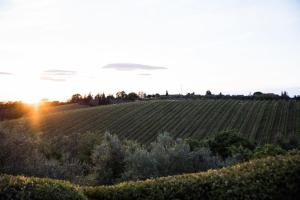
(24, 188)
(268, 178)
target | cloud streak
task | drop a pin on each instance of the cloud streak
(144, 74)
(5, 73)
(47, 78)
(57, 72)
(56, 75)
(131, 67)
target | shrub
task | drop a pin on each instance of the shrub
(267, 150)
(108, 159)
(166, 156)
(223, 142)
(22, 188)
(268, 178)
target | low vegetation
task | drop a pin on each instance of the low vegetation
(267, 178)
(24, 188)
(87, 159)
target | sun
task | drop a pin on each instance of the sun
(34, 100)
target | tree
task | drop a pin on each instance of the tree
(121, 95)
(284, 95)
(142, 94)
(108, 159)
(76, 98)
(257, 93)
(208, 93)
(223, 143)
(132, 96)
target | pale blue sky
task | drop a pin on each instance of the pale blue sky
(59, 47)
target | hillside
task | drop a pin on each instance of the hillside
(263, 121)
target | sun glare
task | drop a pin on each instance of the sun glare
(32, 100)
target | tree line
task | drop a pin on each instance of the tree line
(122, 96)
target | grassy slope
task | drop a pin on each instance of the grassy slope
(262, 121)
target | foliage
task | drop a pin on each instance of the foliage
(268, 178)
(132, 96)
(226, 143)
(108, 159)
(23, 188)
(166, 156)
(267, 150)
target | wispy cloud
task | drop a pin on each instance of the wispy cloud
(57, 72)
(47, 78)
(131, 67)
(5, 73)
(57, 75)
(144, 74)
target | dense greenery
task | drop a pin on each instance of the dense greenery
(24, 188)
(89, 159)
(268, 178)
(261, 121)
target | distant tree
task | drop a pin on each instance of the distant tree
(257, 93)
(121, 95)
(142, 94)
(284, 95)
(167, 93)
(76, 98)
(87, 99)
(208, 93)
(132, 96)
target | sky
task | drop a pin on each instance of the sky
(53, 49)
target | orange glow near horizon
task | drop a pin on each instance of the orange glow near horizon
(38, 110)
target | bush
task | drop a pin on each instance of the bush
(166, 156)
(267, 178)
(18, 187)
(267, 150)
(222, 143)
(108, 159)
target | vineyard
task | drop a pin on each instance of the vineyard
(262, 121)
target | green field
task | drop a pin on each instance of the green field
(263, 121)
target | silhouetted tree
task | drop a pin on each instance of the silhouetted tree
(208, 93)
(121, 95)
(76, 98)
(284, 95)
(132, 96)
(257, 93)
